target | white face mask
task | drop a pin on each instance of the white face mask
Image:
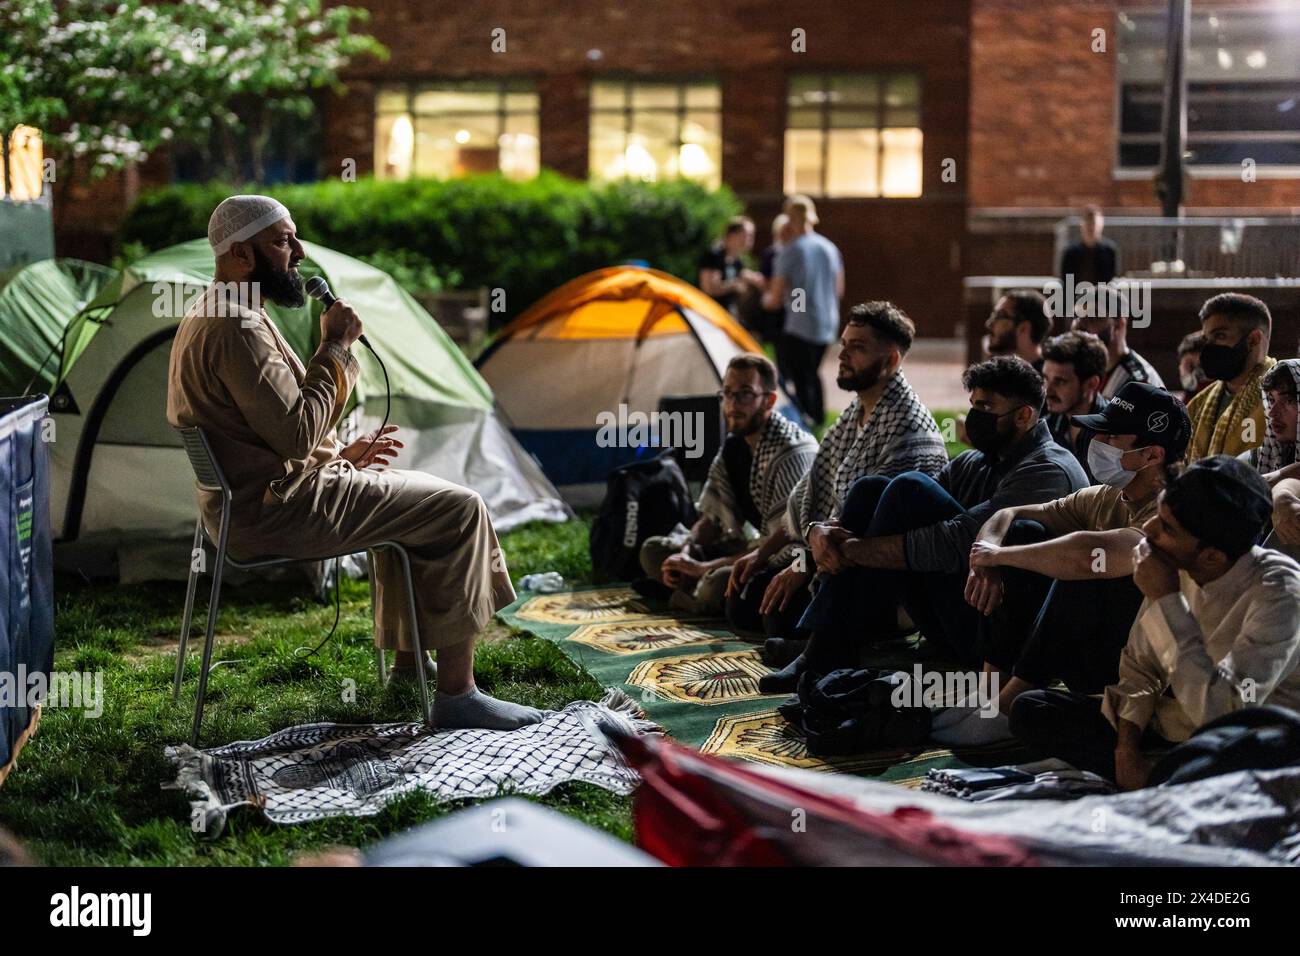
(1103, 462)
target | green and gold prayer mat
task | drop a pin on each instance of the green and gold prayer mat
(699, 682)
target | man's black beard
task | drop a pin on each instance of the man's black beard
(1004, 345)
(863, 380)
(281, 287)
(753, 425)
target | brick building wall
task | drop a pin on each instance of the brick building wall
(1044, 129)
(903, 249)
(1011, 91)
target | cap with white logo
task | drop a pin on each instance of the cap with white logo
(1150, 413)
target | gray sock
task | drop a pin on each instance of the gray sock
(476, 709)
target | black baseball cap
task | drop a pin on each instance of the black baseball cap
(1150, 413)
(1222, 501)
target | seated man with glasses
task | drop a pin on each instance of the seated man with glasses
(1018, 325)
(884, 431)
(763, 458)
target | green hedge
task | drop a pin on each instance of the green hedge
(526, 238)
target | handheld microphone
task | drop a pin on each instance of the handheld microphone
(319, 290)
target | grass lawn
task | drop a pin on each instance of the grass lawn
(87, 791)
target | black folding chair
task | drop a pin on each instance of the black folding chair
(211, 478)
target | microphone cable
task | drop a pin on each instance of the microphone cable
(338, 568)
(388, 396)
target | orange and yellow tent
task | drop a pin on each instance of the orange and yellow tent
(625, 338)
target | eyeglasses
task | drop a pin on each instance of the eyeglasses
(746, 396)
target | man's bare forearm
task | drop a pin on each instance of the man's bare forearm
(703, 533)
(887, 551)
(770, 545)
(1081, 556)
(1128, 734)
(994, 531)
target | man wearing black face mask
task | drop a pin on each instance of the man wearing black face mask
(1228, 415)
(907, 540)
(1083, 544)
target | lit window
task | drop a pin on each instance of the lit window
(447, 130)
(1243, 88)
(23, 161)
(651, 131)
(854, 134)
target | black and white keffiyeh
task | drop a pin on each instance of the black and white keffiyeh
(899, 435)
(784, 454)
(1275, 453)
(318, 771)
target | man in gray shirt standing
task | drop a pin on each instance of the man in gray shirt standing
(808, 280)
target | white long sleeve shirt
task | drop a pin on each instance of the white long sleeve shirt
(1203, 652)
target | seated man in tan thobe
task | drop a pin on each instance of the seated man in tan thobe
(298, 492)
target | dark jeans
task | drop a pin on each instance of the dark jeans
(800, 365)
(743, 614)
(1054, 723)
(856, 606)
(1076, 637)
(1047, 630)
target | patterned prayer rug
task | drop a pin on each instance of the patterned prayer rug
(699, 682)
(317, 771)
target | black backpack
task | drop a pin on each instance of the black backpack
(642, 499)
(852, 711)
(1253, 738)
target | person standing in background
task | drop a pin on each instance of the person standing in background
(1093, 258)
(808, 281)
(768, 322)
(722, 269)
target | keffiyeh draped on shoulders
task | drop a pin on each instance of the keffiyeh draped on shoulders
(784, 454)
(1226, 432)
(1275, 453)
(899, 435)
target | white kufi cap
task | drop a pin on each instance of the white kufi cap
(242, 217)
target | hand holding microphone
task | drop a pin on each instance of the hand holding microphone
(339, 320)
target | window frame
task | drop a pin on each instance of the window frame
(680, 111)
(1120, 172)
(412, 86)
(883, 75)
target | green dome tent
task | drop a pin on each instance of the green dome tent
(37, 302)
(118, 472)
